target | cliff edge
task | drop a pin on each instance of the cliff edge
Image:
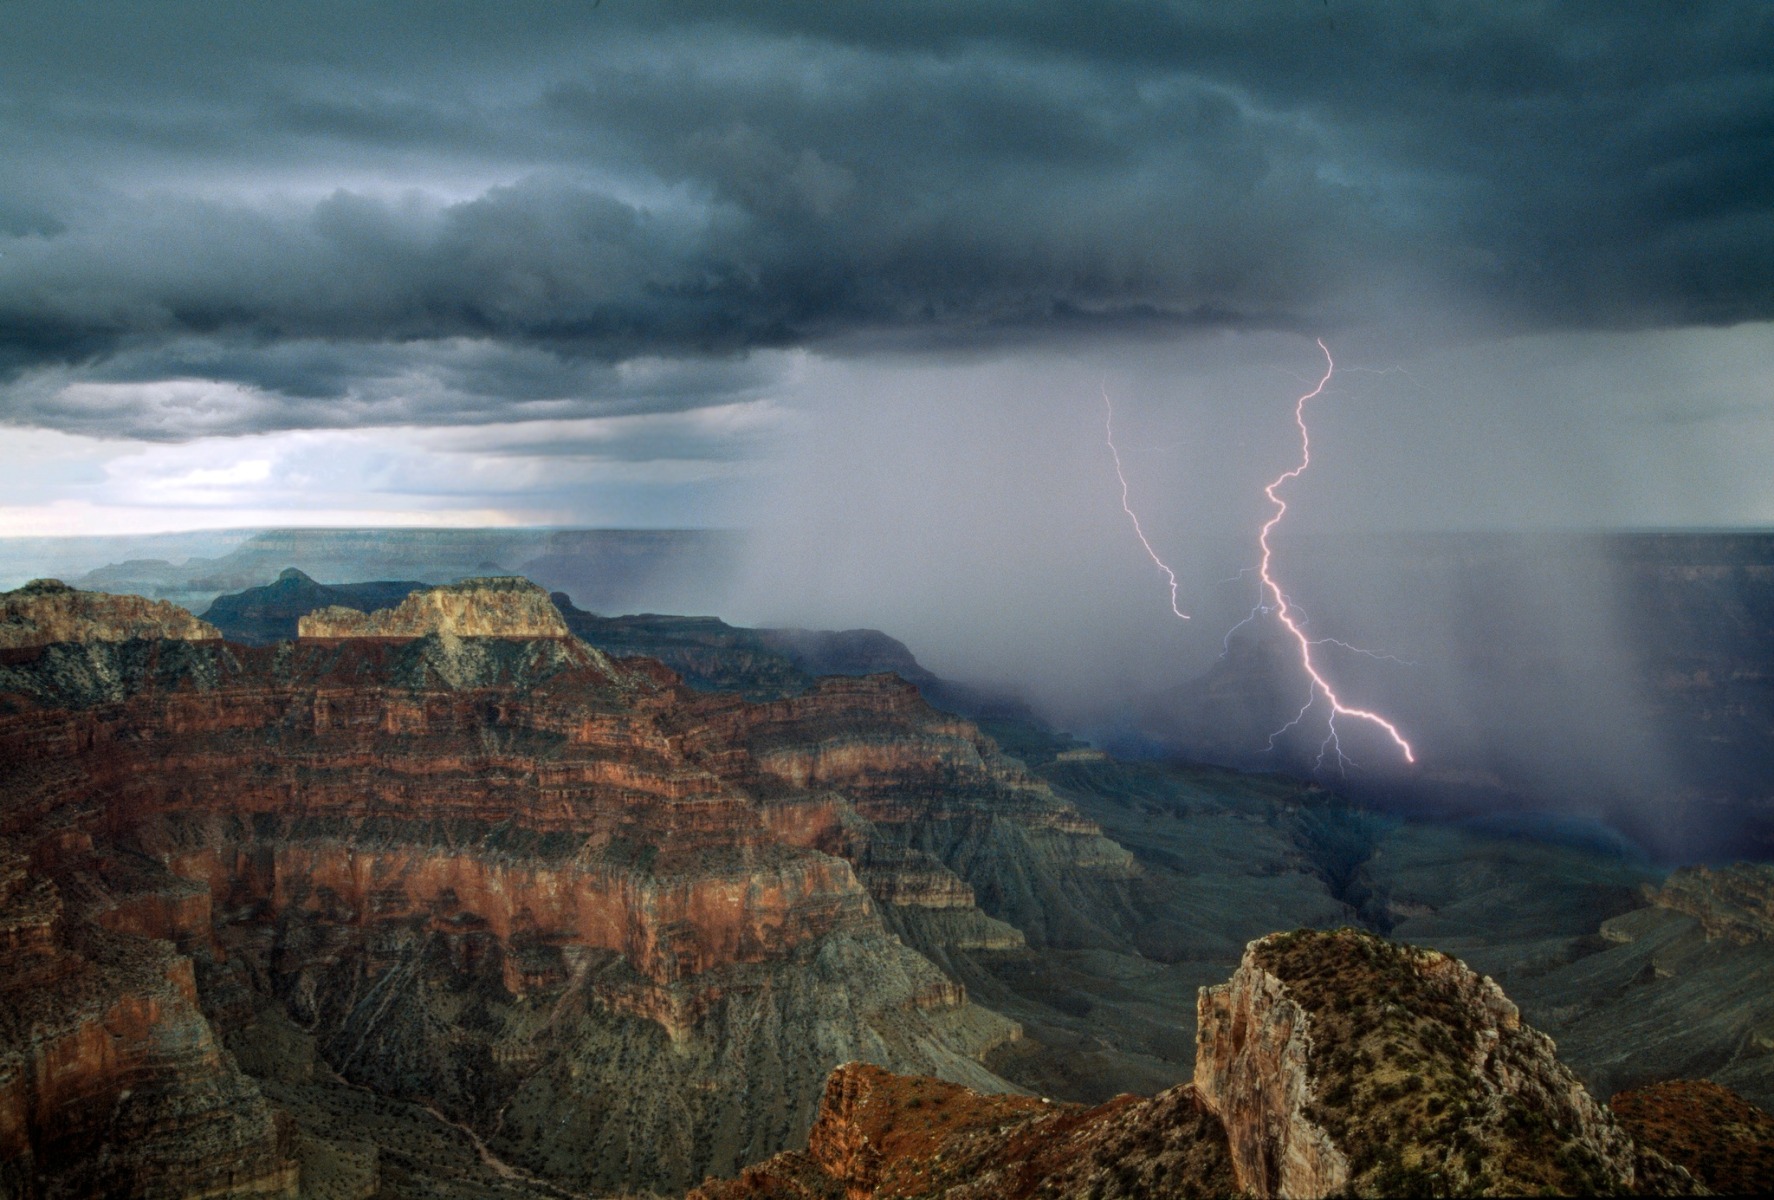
(1342, 1063)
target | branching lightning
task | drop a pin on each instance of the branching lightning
(1270, 597)
(1278, 602)
(1126, 507)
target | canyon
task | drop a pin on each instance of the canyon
(445, 898)
(618, 928)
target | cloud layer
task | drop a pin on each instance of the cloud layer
(222, 219)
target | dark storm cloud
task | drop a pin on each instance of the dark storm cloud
(323, 204)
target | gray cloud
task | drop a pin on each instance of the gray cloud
(324, 205)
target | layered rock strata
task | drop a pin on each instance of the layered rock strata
(48, 611)
(619, 930)
(111, 1081)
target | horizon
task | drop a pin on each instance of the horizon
(677, 266)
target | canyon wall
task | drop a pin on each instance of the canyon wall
(619, 929)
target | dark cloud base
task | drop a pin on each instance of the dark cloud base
(326, 205)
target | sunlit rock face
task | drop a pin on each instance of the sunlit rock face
(48, 611)
(503, 606)
(261, 615)
(619, 929)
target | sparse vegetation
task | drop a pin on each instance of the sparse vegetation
(1722, 1139)
(1398, 1055)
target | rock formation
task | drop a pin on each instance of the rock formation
(884, 1135)
(617, 929)
(706, 652)
(48, 611)
(376, 911)
(111, 1081)
(1330, 1064)
(1253, 1069)
(1341, 1062)
(499, 606)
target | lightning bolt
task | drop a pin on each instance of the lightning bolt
(1285, 613)
(1126, 507)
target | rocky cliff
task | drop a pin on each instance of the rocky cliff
(617, 930)
(499, 606)
(1330, 1064)
(48, 611)
(111, 1081)
(1341, 1062)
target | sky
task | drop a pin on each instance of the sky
(860, 275)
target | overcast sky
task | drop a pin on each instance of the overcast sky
(859, 273)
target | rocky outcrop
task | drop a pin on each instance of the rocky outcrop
(937, 784)
(1253, 1069)
(498, 606)
(1330, 1064)
(1734, 902)
(884, 1135)
(47, 611)
(513, 880)
(1343, 1062)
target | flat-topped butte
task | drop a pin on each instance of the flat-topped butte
(505, 606)
(47, 612)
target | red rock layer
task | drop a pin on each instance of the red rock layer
(399, 818)
(111, 1081)
(881, 1136)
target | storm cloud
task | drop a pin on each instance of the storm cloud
(226, 219)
